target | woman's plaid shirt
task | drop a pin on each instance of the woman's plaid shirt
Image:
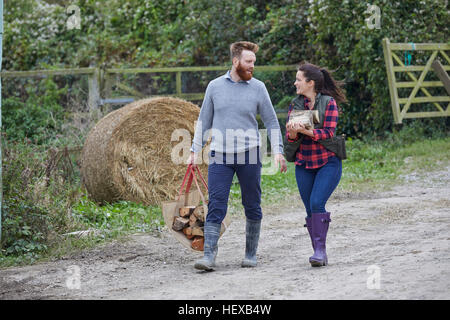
(312, 153)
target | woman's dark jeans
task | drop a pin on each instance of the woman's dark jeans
(317, 185)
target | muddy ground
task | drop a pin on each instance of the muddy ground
(388, 245)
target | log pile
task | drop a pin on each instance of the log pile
(190, 222)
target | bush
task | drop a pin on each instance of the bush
(39, 118)
(146, 33)
(37, 199)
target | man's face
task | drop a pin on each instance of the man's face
(246, 64)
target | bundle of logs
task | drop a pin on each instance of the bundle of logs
(191, 221)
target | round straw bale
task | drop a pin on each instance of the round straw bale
(127, 155)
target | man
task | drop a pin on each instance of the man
(229, 111)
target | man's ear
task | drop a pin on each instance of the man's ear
(235, 61)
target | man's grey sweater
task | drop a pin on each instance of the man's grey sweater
(229, 112)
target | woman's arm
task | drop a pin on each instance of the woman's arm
(329, 124)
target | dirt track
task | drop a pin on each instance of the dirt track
(398, 239)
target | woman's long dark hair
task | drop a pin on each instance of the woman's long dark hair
(324, 82)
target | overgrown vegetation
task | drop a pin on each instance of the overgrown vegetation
(39, 117)
(43, 200)
(44, 120)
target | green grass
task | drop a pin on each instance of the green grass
(107, 222)
(379, 165)
(120, 218)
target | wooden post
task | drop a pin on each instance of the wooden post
(108, 81)
(178, 83)
(94, 89)
(442, 74)
(391, 80)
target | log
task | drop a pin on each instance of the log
(192, 220)
(198, 243)
(196, 224)
(199, 212)
(180, 223)
(197, 231)
(305, 117)
(186, 211)
(188, 232)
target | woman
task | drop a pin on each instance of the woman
(317, 170)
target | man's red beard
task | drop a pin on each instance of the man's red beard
(244, 74)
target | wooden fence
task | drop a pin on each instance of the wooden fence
(417, 83)
(102, 81)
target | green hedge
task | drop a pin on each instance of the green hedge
(340, 37)
(174, 33)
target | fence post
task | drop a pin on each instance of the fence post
(178, 83)
(94, 89)
(108, 81)
(391, 80)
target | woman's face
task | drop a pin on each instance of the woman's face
(301, 84)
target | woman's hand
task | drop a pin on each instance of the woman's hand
(305, 131)
(292, 129)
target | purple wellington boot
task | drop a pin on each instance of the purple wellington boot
(320, 223)
(308, 226)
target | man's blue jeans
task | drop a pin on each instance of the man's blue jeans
(220, 178)
(317, 185)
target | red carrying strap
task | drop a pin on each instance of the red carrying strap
(190, 175)
(201, 177)
(198, 187)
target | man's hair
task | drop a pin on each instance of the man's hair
(237, 48)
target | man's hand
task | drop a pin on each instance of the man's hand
(279, 159)
(192, 160)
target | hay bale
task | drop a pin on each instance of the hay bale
(127, 155)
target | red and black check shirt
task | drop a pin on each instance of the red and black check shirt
(311, 153)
